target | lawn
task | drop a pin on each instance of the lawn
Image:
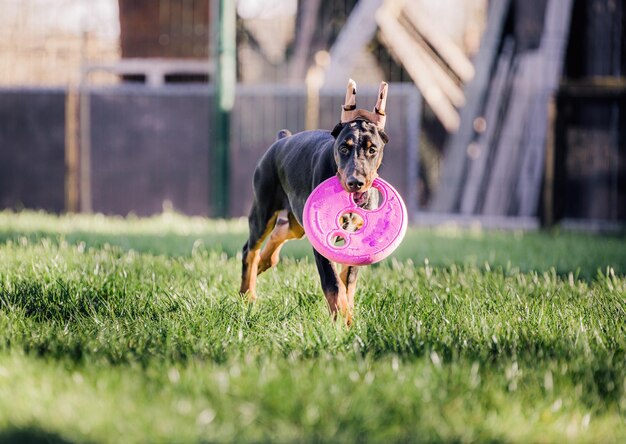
(131, 330)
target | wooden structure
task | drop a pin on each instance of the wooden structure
(494, 164)
(155, 72)
(165, 41)
(447, 196)
(546, 135)
(587, 177)
(435, 63)
(176, 29)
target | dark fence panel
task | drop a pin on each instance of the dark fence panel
(148, 148)
(259, 113)
(32, 149)
(591, 155)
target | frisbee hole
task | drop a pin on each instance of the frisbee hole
(351, 222)
(340, 241)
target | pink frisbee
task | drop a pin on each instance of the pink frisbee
(380, 234)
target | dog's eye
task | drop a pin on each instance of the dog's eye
(344, 150)
(372, 151)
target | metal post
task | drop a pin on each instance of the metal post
(226, 77)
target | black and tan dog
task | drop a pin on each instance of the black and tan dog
(285, 176)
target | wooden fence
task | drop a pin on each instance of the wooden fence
(137, 150)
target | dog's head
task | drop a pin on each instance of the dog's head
(359, 142)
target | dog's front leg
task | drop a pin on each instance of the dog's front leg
(349, 275)
(334, 289)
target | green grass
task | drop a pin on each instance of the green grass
(131, 330)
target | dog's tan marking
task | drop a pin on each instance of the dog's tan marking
(248, 280)
(338, 301)
(349, 278)
(351, 222)
(249, 285)
(341, 301)
(287, 228)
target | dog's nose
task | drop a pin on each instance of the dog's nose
(354, 184)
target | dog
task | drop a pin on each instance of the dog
(287, 174)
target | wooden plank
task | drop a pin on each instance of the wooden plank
(552, 50)
(477, 174)
(448, 192)
(443, 44)
(84, 181)
(594, 88)
(442, 77)
(413, 119)
(548, 185)
(408, 51)
(504, 172)
(602, 50)
(72, 153)
(358, 31)
(304, 37)
(155, 69)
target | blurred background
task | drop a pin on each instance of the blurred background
(505, 113)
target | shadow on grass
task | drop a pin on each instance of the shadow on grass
(30, 435)
(583, 255)
(168, 244)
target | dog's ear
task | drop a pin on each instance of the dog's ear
(383, 135)
(336, 130)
